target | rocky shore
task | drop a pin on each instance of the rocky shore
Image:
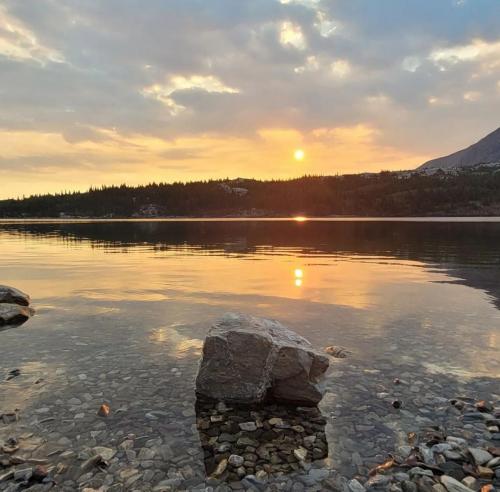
(131, 423)
(268, 448)
(14, 306)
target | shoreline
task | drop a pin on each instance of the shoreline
(299, 219)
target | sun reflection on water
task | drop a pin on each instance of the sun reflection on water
(299, 275)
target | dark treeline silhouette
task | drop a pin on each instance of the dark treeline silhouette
(470, 192)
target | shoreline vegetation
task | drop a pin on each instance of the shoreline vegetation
(471, 192)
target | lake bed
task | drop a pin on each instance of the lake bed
(122, 309)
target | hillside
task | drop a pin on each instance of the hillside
(472, 192)
(486, 151)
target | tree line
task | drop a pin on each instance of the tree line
(469, 192)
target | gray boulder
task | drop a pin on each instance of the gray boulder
(14, 314)
(13, 296)
(248, 359)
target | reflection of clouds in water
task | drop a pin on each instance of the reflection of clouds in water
(449, 369)
(493, 340)
(178, 345)
(23, 390)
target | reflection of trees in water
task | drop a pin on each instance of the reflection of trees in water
(469, 250)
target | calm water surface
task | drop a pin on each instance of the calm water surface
(122, 309)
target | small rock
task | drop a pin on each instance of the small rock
(236, 460)
(23, 475)
(354, 486)
(300, 453)
(484, 406)
(92, 462)
(471, 482)
(453, 485)
(10, 295)
(480, 456)
(104, 410)
(221, 468)
(105, 453)
(248, 426)
(13, 314)
(337, 352)
(486, 473)
(40, 472)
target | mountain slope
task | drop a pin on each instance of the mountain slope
(486, 151)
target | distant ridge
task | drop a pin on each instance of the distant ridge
(486, 151)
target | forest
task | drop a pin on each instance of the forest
(474, 192)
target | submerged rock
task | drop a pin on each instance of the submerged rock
(14, 314)
(248, 359)
(11, 295)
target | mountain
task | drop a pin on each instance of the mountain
(486, 151)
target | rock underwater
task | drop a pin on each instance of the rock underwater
(14, 306)
(248, 360)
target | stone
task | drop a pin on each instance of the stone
(471, 483)
(14, 314)
(276, 421)
(354, 486)
(236, 460)
(248, 426)
(437, 487)
(484, 406)
(494, 463)
(300, 453)
(10, 295)
(104, 410)
(409, 486)
(337, 352)
(377, 481)
(23, 475)
(248, 359)
(453, 485)
(221, 468)
(105, 453)
(486, 473)
(481, 456)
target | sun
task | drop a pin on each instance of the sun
(299, 155)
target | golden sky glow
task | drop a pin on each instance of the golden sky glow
(234, 89)
(137, 159)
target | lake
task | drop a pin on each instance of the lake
(122, 309)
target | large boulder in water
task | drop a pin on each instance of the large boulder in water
(13, 296)
(248, 359)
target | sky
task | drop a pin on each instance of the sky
(99, 92)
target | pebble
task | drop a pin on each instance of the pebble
(236, 460)
(248, 426)
(480, 456)
(354, 486)
(300, 453)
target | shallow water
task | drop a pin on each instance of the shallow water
(122, 309)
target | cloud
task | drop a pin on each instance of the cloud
(17, 42)
(291, 35)
(486, 53)
(119, 86)
(178, 83)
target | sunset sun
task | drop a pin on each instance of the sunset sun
(299, 155)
